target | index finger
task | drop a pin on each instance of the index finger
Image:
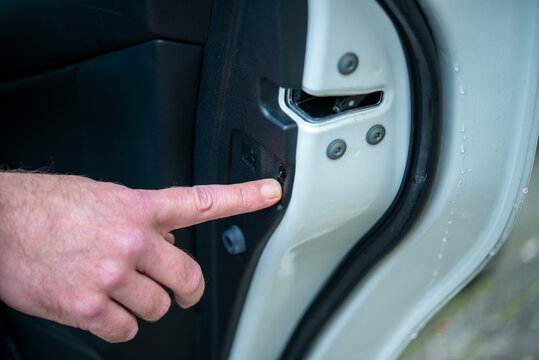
(179, 207)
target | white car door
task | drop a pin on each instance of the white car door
(406, 184)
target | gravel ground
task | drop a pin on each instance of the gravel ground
(497, 315)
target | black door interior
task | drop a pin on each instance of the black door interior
(106, 89)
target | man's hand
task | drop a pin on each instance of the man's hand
(77, 251)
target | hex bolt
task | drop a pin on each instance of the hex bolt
(233, 240)
(336, 149)
(376, 134)
(348, 63)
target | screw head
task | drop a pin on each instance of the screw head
(348, 63)
(336, 149)
(376, 134)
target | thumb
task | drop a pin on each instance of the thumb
(179, 207)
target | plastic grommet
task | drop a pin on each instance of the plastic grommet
(233, 240)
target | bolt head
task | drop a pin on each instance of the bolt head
(376, 134)
(348, 63)
(336, 149)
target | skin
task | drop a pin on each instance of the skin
(77, 251)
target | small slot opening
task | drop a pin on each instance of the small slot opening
(321, 107)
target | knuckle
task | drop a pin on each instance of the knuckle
(113, 277)
(132, 245)
(202, 198)
(89, 308)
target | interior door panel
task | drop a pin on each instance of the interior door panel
(105, 90)
(44, 35)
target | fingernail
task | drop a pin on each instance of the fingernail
(271, 189)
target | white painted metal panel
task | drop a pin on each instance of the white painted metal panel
(334, 202)
(490, 60)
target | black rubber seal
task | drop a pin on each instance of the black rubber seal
(424, 72)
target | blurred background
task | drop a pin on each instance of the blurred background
(497, 315)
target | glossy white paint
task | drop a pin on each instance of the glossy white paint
(334, 202)
(490, 59)
(341, 26)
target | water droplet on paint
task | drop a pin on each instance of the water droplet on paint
(525, 190)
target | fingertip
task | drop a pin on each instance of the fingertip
(115, 324)
(131, 334)
(271, 190)
(193, 287)
(193, 299)
(164, 309)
